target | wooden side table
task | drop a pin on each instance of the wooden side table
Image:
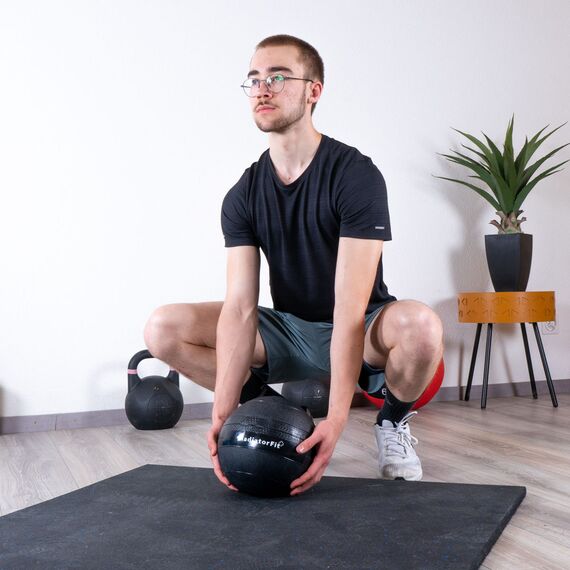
(508, 307)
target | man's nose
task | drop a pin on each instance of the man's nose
(264, 90)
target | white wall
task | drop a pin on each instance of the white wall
(122, 126)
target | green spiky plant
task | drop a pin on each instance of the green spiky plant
(509, 178)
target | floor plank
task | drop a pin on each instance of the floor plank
(31, 471)
(91, 454)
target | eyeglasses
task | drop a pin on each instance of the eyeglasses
(274, 83)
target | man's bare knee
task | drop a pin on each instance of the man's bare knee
(171, 325)
(160, 332)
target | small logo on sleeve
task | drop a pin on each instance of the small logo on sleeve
(378, 227)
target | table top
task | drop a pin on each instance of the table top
(506, 307)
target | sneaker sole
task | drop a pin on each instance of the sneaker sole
(402, 479)
(414, 478)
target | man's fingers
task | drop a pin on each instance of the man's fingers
(213, 446)
(315, 471)
(308, 443)
(220, 474)
(302, 488)
(218, 471)
(303, 484)
(313, 475)
(298, 483)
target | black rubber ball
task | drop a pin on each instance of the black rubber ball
(257, 446)
(311, 394)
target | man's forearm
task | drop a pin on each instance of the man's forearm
(347, 347)
(235, 342)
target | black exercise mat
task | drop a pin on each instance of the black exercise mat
(182, 517)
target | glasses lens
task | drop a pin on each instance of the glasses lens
(247, 87)
(276, 83)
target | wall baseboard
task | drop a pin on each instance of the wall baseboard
(504, 390)
(51, 422)
(77, 420)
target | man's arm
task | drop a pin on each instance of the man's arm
(235, 339)
(357, 265)
(356, 269)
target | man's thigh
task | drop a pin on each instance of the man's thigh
(196, 323)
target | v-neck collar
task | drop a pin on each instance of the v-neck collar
(293, 185)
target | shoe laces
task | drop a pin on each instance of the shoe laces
(399, 440)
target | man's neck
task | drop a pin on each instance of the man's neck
(292, 152)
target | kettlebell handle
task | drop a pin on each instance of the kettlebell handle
(134, 378)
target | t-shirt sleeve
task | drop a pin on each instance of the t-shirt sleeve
(236, 224)
(362, 202)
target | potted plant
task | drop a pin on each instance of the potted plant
(507, 182)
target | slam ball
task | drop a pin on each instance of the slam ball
(256, 446)
(311, 394)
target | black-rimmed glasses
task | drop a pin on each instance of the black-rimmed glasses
(274, 83)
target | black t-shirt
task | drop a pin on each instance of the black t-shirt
(340, 194)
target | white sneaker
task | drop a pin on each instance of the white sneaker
(397, 457)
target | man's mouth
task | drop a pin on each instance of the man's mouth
(264, 108)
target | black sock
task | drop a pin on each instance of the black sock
(254, 388)
(393, 409)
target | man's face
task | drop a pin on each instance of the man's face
(278, 112)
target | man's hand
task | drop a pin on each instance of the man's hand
(213, 434)
(326, 435)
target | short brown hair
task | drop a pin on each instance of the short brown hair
(310, 58)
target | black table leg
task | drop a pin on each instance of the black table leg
(529, 362)
(473, 360)
(545, 365)
(487, 362)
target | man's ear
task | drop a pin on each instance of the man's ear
(315, 92)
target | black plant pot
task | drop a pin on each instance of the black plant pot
(509, 257)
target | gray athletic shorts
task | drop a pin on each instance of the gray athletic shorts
(300, 350)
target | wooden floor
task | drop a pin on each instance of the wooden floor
(515, 441)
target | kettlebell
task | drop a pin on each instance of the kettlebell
(153, 402)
